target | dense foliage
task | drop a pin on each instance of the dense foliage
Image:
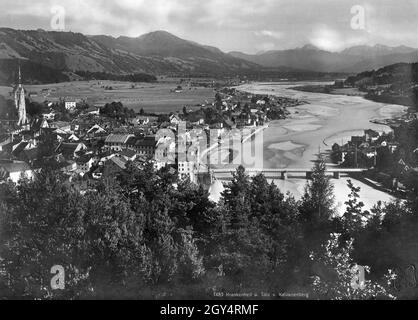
(144, 234)
(35, 73)
(117, 110)
(134, 77)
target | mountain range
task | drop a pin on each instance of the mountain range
(350, 60)
(57, 56)
(157, 52)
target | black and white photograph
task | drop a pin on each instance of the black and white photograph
(234, 152)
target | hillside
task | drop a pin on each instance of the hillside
(395, 84)
(154, 53)
(400, 73)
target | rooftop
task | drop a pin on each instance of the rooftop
(120, 162)
(15, 166)
(118, 138)
(127, 153)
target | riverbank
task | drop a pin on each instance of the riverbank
(222, 154)
(296, 141)
(352, 91)
(330, 89)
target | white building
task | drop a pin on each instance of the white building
(96, 129)
(15, 170)
(84, 164)
(70, 105)
(49, 115)
(175, 119)
(187, 169)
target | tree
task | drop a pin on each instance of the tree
(218, 101)
(257, 230)
(318, 200)
(336, 276)
(236, 199)
(354, 217)
(37, 234)
(34, 109)
(109, 245)
(8, 110)
(411, 182)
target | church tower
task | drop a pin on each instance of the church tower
(20, 103)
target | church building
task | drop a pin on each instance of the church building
(20, 103)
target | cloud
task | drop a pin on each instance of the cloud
(328, 39)
(270, 34)
(245, 25)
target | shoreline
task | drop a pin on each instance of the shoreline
(255, 132)
(258, 130)
(328, 89)
(355, 92)
(294, 142)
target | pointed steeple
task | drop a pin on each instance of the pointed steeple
(20, 77)
(20, 102)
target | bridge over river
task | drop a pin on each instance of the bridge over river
(226, 174)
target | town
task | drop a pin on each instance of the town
(89, 143)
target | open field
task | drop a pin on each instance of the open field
(152, 97)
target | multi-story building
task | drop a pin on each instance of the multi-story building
(143, 146)
(117, 142)
(187, 169)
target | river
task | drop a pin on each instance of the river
(311, 128)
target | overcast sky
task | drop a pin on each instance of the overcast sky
(240, 25)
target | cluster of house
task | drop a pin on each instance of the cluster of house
(93, 146)
(234, 109)
(365, 146)
(90, 145)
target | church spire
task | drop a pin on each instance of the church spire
(20, 102)
(20, 76)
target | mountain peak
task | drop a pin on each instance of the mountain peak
(381, 46)
(377, 50)
(159, 34)
(310, 46)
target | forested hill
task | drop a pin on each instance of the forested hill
(400, 73)
(154, 53)
(395, 84)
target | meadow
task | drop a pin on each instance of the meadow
(152, 97)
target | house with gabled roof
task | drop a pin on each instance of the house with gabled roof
(38, 125)
(128, 154)
(61, 126)
(15, 170)
(73, 138)
(85, 162)
(92, 110)
(175, 119)
(143, 146)
(117, 142)
(71, 150)
(96, 130)
(114, 165)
